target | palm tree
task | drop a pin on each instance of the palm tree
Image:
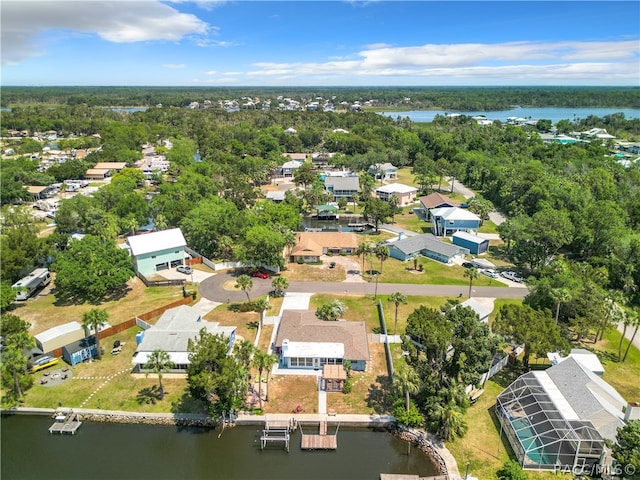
(364, 249)
(397, 298)
(382, 252)
(271, 360)
(633, 318)
(448, 421)
(560, 295)
(406, 381)
(472, 274)
(280, 284)
(158, 362)
(245, 283)
(262, 361)
(94, 319)
(243, 352)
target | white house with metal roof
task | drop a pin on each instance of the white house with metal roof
(448, 220)
(172, 333)
(405, 194)
(156, 251)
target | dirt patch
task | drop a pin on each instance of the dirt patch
(314, 273)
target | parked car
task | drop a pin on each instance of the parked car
(513, 276)
(468, 265)
(259, 274)
(186, 269)
(489, 272)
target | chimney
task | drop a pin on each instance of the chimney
(632, 412)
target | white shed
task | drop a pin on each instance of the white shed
(58, 337)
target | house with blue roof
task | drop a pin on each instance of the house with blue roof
(474, 243)
(448, 220)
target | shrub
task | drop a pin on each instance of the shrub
(412, 418)
(348, 385)
(300, 261)
(511, 470)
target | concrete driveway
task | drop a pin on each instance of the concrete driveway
(198, 276)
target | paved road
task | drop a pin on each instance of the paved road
(213, 289)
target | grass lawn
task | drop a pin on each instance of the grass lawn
(314, 273)
(122, 392)
(44, 312)
(245, 322)
(434, 273)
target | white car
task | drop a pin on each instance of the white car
(489, 272)
(186, 269)
(513, 276)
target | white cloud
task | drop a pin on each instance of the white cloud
(519, 60)
(119, 22)
(174, 65)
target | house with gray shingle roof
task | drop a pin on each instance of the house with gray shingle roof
(383, 171)
(172, 333)
(560, 416)
(304, 341)
(407, 248)
(343, 187)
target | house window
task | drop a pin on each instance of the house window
(153, 256)
(451, 222)
(177, 251)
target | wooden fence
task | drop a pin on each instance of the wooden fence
(160, 283)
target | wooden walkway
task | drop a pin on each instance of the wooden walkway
(65, 423)
(321, 441)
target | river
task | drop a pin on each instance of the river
(139, 452)
(549, 113)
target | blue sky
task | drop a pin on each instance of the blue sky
(332, 43)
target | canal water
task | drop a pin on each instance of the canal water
(555, 114)
(140, 452)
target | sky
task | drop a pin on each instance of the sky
(328, 43)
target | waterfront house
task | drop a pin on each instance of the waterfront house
(343, 186)
(448, 220)
(407, 248)
(561, 416)
(156, 251)
(405, 194)
(172, 333)
(310, 246)
(435, 200)
(304, 341)
(383, 171)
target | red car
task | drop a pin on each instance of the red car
(259, 274)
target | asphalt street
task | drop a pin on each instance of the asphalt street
(213, 288)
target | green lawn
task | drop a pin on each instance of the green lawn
(433, 273)
(365, 309)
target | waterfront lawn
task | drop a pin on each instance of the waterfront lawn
(288, 391)
(368, 395)
(409, 220)
(111, 380)
(44, 312)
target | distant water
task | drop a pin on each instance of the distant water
(129, 109)
(547, 113)
(108, 451)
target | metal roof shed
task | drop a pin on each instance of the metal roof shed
(474, 243)
(59, 336)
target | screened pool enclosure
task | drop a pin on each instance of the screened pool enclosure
(542, 427)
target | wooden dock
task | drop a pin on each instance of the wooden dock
(66, 422)
(320, 441)
(277, 431)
